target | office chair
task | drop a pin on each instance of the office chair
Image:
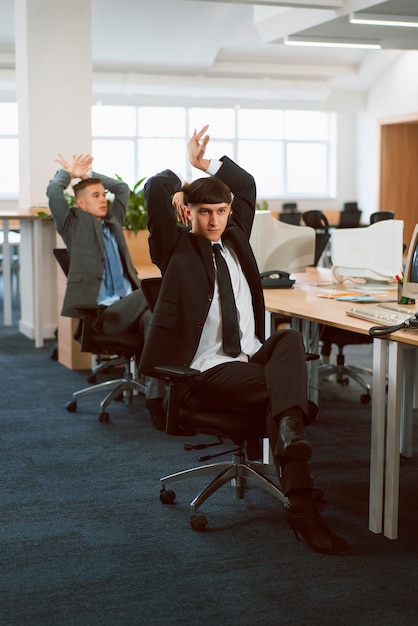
(243, 430)
(290, 217)
(121, 350)
(319, 222)
(289, 206)
(349, 216)
(341, 338)
(381, 215)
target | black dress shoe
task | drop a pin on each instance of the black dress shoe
(302, 515)
(158, 418)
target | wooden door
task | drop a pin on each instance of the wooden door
(399, 171)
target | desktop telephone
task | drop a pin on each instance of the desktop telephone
(276, 279)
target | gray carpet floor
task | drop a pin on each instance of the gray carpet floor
(84, 539)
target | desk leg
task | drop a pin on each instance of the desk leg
(377, 450)
(395, 383)
(407, 400)
(7, 282)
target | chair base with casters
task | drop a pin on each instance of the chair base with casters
(121, 387)
(238, 428)
(342, 371)
(121, 350)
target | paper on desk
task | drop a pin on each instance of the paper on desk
(355, 296)
(337, 294)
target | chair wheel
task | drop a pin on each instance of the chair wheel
(167, 496)
(198, 522)
(71, 406)
(104, 417)
(365, 398)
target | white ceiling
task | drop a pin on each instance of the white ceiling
(231, 49)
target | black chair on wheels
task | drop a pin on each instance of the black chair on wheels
(243, 430)
(342, 338)
(349, 216)
(342, 372)
(290, 217)
(378, 216)
(117, 349)
(319, 222)
(290, 214)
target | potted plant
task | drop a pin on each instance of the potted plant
(136, 216)
(135, 225)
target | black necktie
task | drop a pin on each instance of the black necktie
(230, 327)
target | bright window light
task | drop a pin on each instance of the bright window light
(113, 121)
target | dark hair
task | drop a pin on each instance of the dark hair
(86, 182)
(211, 190)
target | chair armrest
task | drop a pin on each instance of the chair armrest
(175, 376)
(84, 331)
(176, 373)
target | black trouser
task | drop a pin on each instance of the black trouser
(273, 382)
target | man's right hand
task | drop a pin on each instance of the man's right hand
(197, 148)
(80, 166)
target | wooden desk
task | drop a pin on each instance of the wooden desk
(394, 354)
(38, 312)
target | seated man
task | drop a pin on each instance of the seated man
(93, 235)
(267, 379)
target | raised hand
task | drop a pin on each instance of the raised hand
(79, 167)
(197, 148)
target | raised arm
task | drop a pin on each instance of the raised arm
(79, 167)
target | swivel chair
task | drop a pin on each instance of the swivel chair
(243, 430)
(121, 350)
(290, 217)
(349, 216)
(381, 215)
(319, 222)
(341, 338)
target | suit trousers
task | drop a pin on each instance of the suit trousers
(131, 314)
(271, 384)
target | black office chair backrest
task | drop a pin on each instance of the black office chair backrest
(350, 207)
(349, 219)
(151, 288)
(290, 217)
(289, 206)
(63, 258)
(318, 221)
(315, 219)
(381, 215)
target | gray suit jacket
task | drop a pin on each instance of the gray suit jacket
(83, 236)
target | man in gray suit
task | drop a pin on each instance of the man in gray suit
(101, 269)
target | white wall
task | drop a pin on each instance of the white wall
(394, 94)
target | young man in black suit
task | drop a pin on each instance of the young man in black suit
(94, 279)
(264, 378)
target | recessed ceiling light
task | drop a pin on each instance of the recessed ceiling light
(332, 42)
(379, 19)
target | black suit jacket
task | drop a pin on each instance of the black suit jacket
(186, 264)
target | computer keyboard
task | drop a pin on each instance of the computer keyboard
(383, 313)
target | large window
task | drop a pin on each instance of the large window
(290, 153)
(9, 147)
